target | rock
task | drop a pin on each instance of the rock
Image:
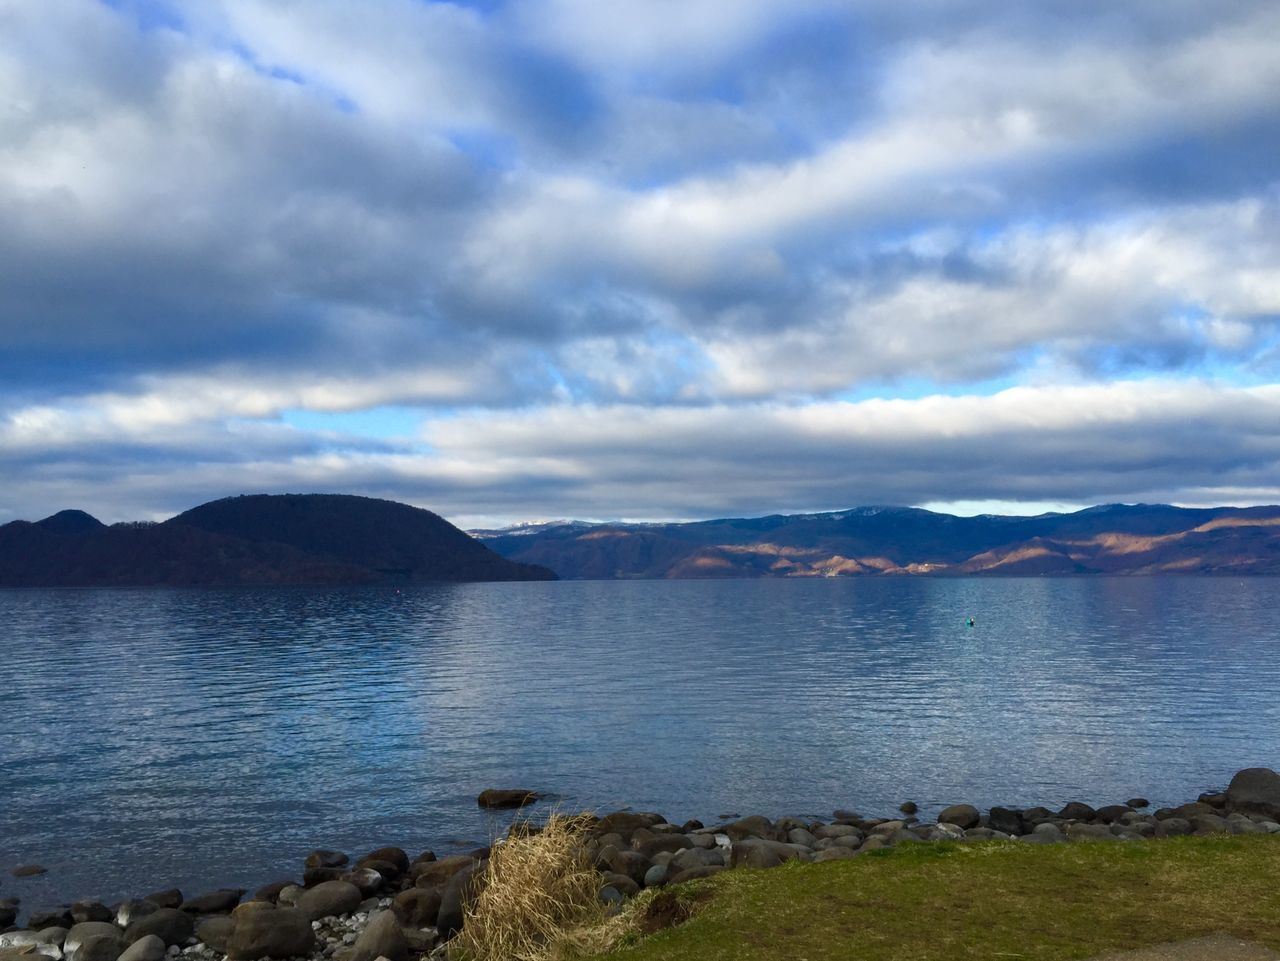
(324, 858)
(271, 892)
(82, 932)
(664, 842)
(100, 947)
(435, 874)
(417, 907)
(28, 870)
(1138, 802)
(391, 855)
(420, 941)
(1255, 790)
(943, 832)
(129, 911)
(246, 907)
(91, 911)
(313, 876)
(909, 807)
(171, 925)
(215, 902)
(611, 896)
(632, 864)
(57, 918)
(8, 913)
(216, 932)
(1172, 827)
(1205, 824)
(1080, 831)
(329, 899)
(1111, 813)
(759, 853)
(458, 894)
(281, 933)
(802, 836)
(694, 858)
(961, 815)
(168, 898)
(369, 881)
(692, 874)
(508, 798)
(624, 824)
(1077, 810)
(384, 869)
(149, 948)
(623, 884)
(1244, 826)
(838, 831)
(382, 938)
(755, 856)
(1007, 820)
(656, 876)
(1034, 838)
(56, 935)
(835, 854)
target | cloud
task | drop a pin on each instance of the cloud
(216, 213)
(1188, 442)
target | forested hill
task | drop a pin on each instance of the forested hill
(254, 539)
(1110, 539)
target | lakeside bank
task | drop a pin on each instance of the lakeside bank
(387, 904)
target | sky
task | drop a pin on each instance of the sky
(646, 259)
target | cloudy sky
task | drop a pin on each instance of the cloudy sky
(518, 259)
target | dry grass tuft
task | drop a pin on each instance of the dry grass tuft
(540, 900)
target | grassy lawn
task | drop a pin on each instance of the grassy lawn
(986, 901)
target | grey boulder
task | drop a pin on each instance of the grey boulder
(82, 932)
(215, 932)
(169, 924)
(149, 948)
(1255, 790)
(461, 890)
(329, 899)
(961, 815)
(215, 902)
(100, 947)
(279, 933)
(418, 907)
(381, 939)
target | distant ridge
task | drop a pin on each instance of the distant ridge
(879, 540)
(255, 539)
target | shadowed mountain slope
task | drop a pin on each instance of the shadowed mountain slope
(253, 540)
(1110, 539)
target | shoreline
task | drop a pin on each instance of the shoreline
(414, 903)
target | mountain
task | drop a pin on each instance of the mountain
(253, 540)
(1108, 539)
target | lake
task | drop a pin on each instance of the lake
(203, 738)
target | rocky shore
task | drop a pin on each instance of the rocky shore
(389, 905)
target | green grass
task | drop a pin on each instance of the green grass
(995, 900)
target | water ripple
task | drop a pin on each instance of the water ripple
(204, 738)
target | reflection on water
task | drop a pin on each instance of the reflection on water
(202, 738)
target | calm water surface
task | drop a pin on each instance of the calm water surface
(205, 738)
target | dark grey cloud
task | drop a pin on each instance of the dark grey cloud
(216, 213)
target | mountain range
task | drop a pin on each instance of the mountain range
(252, 540)
(1109, 539)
